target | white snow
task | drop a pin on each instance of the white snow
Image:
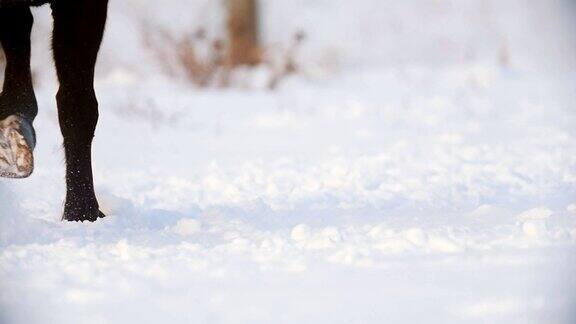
(415, 182)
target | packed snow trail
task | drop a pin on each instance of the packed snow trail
(445, 196)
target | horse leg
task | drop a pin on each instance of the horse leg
(78, 29)
(18, 106)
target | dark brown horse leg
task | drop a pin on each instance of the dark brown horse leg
(18, 106)
(78, 29)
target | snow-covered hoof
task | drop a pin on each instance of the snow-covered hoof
(17, 141)
(82, 213)
(81, 206)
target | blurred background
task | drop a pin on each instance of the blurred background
(205, 42)
(309, 161)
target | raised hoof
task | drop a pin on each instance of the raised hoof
(17, 141)
(90, 215)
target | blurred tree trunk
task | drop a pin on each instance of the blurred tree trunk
(243, 32)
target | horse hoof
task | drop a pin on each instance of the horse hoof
(17, 141)
(82, 214)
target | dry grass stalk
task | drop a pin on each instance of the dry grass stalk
(207, 63)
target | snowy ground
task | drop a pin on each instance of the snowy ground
(403, 194)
